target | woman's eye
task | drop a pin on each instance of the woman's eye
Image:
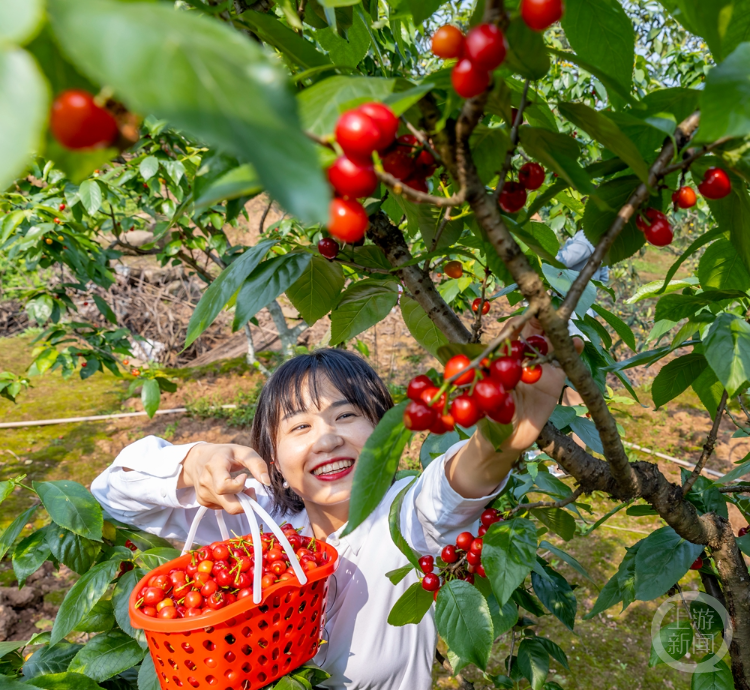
(347, 414)
(299, 426)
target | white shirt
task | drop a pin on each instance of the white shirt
(363, 650)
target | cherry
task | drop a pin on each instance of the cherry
(348, 221)
(386, 121)
(224, 578)
(278, 567)
(642, 222)
(328, 248)
(698, 564)
(398, 162)
(77, 122)
(428, 395)
(454, 365)
(503, 413)
(220, 553)
(448, 554)
(219, 566)
(466, 411)
(267, 581)
(531, 374)
(536, 344)
(167, 612)
(659, 234)
(507, 371)
(164, 603)
(427, 563)
(454, 269)
(439, 426)
(481, 531)
(540, 14)
(217, 600)
(469, 80)
(352, 179)
(742, 532)
(517, 349)
(469, 578)
(209, 587)
(62, 207)
(149, 611)
(276, 554)
(180, 590)
(426, 162)
(485, 305)
(715, 185)
(473, 558)
(476, 546)
(194, 600)
(153, 596)
(448, 42)
(203, 554)
(417, 385)
(418, 183)
(488, 394)
(685, 197)
(490, 517)
(357, 134)
(531, 176)
(480, 571)
(418, 417)
(247, 592)
(486, 46)
(431, 582)
(513, 197)
(464, 540)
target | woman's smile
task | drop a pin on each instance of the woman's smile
(336, 468)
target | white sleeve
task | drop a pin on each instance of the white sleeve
(433, 514)
(140, 488)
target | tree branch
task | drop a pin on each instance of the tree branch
(549, 504)
(708, 447)
(513, 142)
(399, 188)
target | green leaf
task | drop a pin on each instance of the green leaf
(676, 377)
(82, 597)
(488, 146)
(411, 606)
(50, 659)
(397, 575)
(241, 181)
(147, 678)
(120, 602)
(675, 307)
(559, 153)
(533, 661)
(66, 681)
(19, 20)
(709, 389)
(677, 640)
(601, 33)
(695, 245)
(148, 167)
(721, 267)
(266, 283)
(607, 133)
(72, 506)
(150, 396)
(618, 326)
(105, 310)
(718, 679)
(394, 525)
(377, 463)
(317, 290)
(421, 326)
(349, 51)
(662, 559)
(609, 596)
(8, 647)
(739, 471)
(153, 558)
(14, 529)
(30, 554)
(563, 555)
(556, 595)
(90, 194)
(463, 620)
(106, 655)
(508, 553)
(100, 619)
(23, 110)
(203, 77)
(221, 290)
(560, 279)
(560, 521)
(494, 432)
(362, 305)
(727, 347)
(526, 51)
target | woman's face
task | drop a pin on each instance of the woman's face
(317, 448)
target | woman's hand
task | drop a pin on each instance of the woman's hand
(208, 469)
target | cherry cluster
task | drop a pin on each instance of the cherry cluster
(409, 161)
(470, 398)
(513, 197)
(77, 122)
(656, 226)
(461, 561)
(221, 574)
(360, 132)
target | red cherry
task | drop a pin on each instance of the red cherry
(439, 426)
(454, 269)
(167, 612)
(398, 162)
(475, 305)
(267, 581)
(328, 248)
(517, 349)
(540, 14)
(489, 394)
(480, 571)
(62, 207)
(469, 578)
(473, 558)
(531, 374)
(418, 183)
(698, 564)
(417, 385)
(224, 578)
(715, 185)
(426, 161)
(476, 546)
(642, 222)
(469, 80)
(503, 413)
(448, 42)
(659, 234)
(531, 176)
(448, 554)
(247, 592)
(153, 596)
(465, 411)
(513, 197)
(217, 600)
(454, 365)
(507, 371)
(149, 611)
(203, 554)
(209, 587)
(431, 582)
(464, 540)
(742, 532)
(427, 563)
(685, 197)
(481, 531)
(77, 122)
(357, 134)
(490, 517)
(220, 553)
(486, 46)
(278, 567)
(386, 121)
(418, 417)
(348, 221)
(428, 395)
(352, 179)
(538, 343)
(193, 600)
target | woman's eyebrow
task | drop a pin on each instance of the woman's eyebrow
(338, 403)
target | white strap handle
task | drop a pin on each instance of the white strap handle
(250, 507)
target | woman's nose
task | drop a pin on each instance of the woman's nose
(328, 441)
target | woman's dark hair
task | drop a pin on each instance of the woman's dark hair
(284, 392)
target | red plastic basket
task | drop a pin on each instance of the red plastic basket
(245, 645)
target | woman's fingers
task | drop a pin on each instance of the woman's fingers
(250, 460)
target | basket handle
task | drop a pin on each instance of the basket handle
(194, 527)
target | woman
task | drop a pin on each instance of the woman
(313, 418)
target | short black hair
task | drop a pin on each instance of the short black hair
(350, 374)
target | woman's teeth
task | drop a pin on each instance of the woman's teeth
(332, 467)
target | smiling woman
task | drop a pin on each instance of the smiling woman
(313, 419)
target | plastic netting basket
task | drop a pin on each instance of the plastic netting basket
(248, 644)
